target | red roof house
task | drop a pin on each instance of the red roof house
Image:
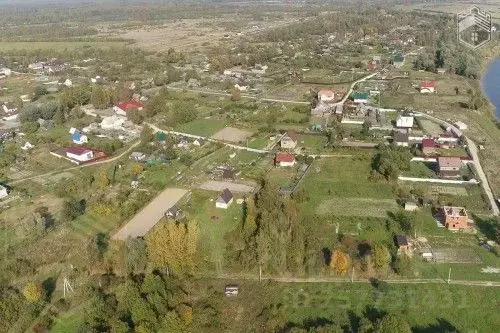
(427, 87)
(326, 95)
(428, 146)
(122, 108)
(283, 159)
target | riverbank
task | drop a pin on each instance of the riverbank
(491, 54)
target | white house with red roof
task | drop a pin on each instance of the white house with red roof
(284, 159)
(326, 95)
(427, 87)
(122, 108)
(80, 154)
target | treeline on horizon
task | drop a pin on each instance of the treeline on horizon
(56, 11)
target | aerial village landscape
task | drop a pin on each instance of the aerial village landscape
(258, 167)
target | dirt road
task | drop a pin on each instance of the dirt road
(214, 185)
(146, 219)
(48, 174)
(157, 129)
(281, 279)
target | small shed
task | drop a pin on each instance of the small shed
(411, 206)
(402, 243)
(231, 290)
(225, 199)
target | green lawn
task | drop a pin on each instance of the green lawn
(68, 323)
(202, 127)
(312, 142)
(427, 308)
(214, 224)
(356, 207)
(344, 177)
(259, 142)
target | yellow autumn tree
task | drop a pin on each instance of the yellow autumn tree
(339, 262)
(32, 292)
(102, 179)
(137, 168)
(173, 245)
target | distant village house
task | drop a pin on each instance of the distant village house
(122, 108)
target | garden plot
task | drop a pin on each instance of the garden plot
(455, 256)
(357, 207)
(449, 190)
(430, 127)
(231, 134)
(214, 185)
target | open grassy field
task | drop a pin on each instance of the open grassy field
(214, 223)
(312, 143)
(202, 127)
(57, 46)
(344, 177)
(428, 308)
(356, 207)
(492, 7)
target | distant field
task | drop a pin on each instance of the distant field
(202, 127)
(455, 8)
(19, 46)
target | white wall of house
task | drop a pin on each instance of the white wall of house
(326, 98)
(11, 117)
(427, 90)
(222, 204)
(82, 158)
(119, 111)
(287, 164)
(3, 192)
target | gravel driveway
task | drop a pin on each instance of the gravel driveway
(146, 219)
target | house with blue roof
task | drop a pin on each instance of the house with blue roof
(79, 138)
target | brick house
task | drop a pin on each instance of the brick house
(428, 147)
(454, 218)
(449, 167)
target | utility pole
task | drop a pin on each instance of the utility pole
(449, 276)
(352, 275)
(260, 272)
(67, 288)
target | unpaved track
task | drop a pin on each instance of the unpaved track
(146, 219)
(214, 185)
(109, 160)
